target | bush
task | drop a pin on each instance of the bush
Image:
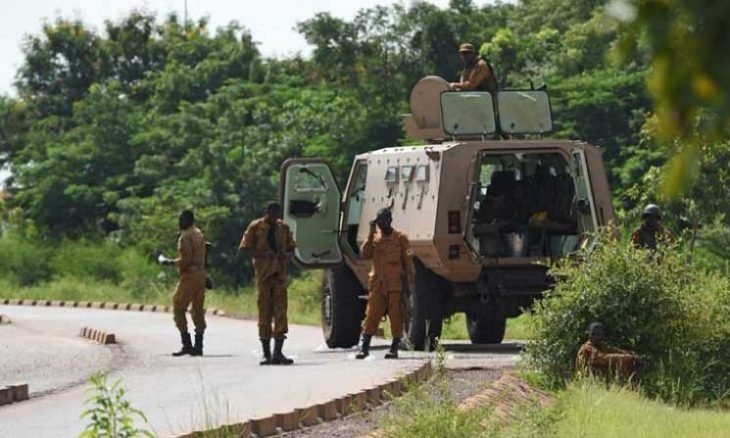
(24, 262)
(81, 259)
(139, 274)
(657, 304)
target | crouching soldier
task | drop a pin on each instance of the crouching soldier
(191, 264)
(597, 357)
(270, 242)
(391, 259)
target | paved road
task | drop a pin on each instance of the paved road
(178, 395)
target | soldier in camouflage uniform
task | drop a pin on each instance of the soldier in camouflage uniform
(191, 264)
(478, 74)
(651, 231)
(599, 358)
(270, 243)
(391, 261)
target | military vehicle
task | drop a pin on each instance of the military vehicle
(485, 213)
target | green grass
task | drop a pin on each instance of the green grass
(583, 409)
(304, 299)
(455, 328)
(304, 306)
(589, 410)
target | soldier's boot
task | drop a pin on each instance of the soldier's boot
(279, 358)
(365, 347)
(266, 347)
(187, 345)
(393, 353)
(198, 347)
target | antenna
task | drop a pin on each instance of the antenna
(185, 14)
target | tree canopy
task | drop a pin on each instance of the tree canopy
(114, 131)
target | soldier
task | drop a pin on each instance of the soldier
(191, 264)
(651, 231)
(597, 357)
(270, 243)
(391, 260)
(477, 75)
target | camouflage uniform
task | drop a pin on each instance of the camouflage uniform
(606, 361)
(478, 77)
(271, 274)
(191, 286)
(391, 259)
(647, 237)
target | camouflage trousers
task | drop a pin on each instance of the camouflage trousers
(272, 303)
(190, 292)
(378, 304)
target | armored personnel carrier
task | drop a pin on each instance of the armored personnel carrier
(486, 213)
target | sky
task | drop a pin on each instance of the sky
(270, 22)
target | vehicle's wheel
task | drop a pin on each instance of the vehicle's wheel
(342, 309)
(486, 327)
(427, 308)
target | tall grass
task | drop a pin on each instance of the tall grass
(586, 409)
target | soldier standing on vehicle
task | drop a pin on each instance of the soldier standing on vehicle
(478, 74)
(599, 358)
(270, 242)
(651, 231)
(191, 264)
(391, 261)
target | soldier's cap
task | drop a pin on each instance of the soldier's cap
(273, 206)
(466, 47)
(652, 210)
(596, 329)
(384, 214)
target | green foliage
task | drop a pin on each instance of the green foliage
(24, 262)
(586, 408)
(113, 132)
(109, 414)
(656, 304)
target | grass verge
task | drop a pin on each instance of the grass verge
(587, 409)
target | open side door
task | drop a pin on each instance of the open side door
(584, 203)
(311, 206)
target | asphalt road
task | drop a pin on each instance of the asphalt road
(42, 348)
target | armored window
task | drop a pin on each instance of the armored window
(525, 112)
(406, 172)
(391, 174)
(308, 180)
(422, 173)
(468, 113)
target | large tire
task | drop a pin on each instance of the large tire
(427, 308)
(486, 327)
(342, 308)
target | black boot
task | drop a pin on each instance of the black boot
(266, 347)
(187, 345)
(198, 348)
(393, 353)
(365, 347)
(279, 358)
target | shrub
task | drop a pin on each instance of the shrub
(109, 413)
(657, 304)
(24, 262)
(82, 259)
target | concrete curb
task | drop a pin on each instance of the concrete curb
(98, 305)
(99, 336)
(13, 393)
(322, 412)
